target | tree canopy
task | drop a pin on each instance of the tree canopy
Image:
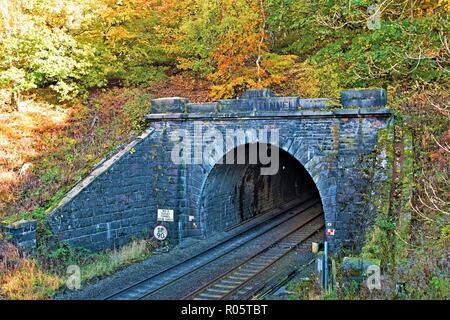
(305, 47)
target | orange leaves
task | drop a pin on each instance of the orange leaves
(441, 154)
(225, 41)
(435, 156)
(241, 58)
(424, 8)
(239, 50)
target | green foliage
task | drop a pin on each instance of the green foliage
(66, 253)
(44, 57)
(16, 79)
(329, 295)
(386, 224)
(73, 46)
(76, 45)
(199, 37)
(445, 232)
(51, 174)
(405, 49)
(135, 111)
(440, 287)
(38, 213)
(299, 288)
(92, 265)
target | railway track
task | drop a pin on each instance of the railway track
(162, 280)
(260, 290)
(273, 286)
(234, 282)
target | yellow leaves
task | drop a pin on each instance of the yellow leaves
(119, 33)
(185, 64)
(308, 80)
(241, 56)
(232, 88)
(13, 19)
(440, 3)
(236, 86)
(278, 64)
(275, 79)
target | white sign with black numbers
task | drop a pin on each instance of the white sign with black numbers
(165, 215)
(160, 233)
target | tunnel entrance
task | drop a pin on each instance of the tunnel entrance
(235, 193)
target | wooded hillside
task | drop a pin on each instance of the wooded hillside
(76, 77)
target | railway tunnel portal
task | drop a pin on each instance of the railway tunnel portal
(234, 193)
(321, 149)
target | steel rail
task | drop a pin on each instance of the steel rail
(177, 279)
(136, 286)
(258, 254)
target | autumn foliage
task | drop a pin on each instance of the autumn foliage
(76, 77)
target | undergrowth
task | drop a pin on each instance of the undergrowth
(55, 155)
(45, 273)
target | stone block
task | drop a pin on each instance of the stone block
(22, 234)
(235, 106)
(318, 103)
(364, 98)
(99, 237)
(202, 107)
(169, 105)
(257, 93)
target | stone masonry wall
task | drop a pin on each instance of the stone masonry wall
(328, 147)
(118, 201)
(22, 234)
(112, 205)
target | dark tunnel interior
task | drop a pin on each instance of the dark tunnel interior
(234, 193)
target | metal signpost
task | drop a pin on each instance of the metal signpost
(160, 232)
(330, 233)
(325, 266)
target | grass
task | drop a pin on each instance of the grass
(40, 277)
(17, 140)
(28, 282)
(304, 289)
(108, 263)
(22, 278)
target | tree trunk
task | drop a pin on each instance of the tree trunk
(14, 103)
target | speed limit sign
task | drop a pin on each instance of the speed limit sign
(160, 233)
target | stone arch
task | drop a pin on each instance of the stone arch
(225, 187)
(318, 168)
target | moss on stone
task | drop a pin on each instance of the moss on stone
(404, 219)
(376, 238)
